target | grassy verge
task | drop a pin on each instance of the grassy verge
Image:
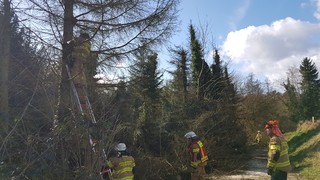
(304, 149)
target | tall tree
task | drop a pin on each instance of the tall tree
(5, 35)
(217, 84)
(145, 85)
(310, 85)
(180, 74)
(29, 98)
(201, 74)
(145, 78)
(117, 27)
(230, 94)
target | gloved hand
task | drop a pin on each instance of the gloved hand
(270, 171)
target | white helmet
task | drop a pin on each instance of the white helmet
(121, 147)
(190, 134)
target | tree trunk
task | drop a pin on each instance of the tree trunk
(4, 61)
(64, 88)
(64, 95)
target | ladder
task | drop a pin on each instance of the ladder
(105, 172)
(76, 98)
(79, 107)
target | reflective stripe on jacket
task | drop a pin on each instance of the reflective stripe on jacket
(278, 144)
(198, 153)
(122, 167)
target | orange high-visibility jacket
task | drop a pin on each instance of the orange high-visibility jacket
(198, 153)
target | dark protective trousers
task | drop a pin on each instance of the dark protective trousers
(279, 175)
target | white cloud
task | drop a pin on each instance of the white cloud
(317, 13)
(270, 50)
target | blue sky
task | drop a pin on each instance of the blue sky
(263, 37)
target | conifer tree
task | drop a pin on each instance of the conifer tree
(145, 88)
(217, 81)
(230, 91)
(29, 98)
(115, 29)
(180, 74)
(201, 74)
(310, 85)
(145, 78)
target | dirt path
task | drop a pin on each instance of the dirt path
(256, 169)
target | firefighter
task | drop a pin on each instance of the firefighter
(258, 137)
(198, 156)
(278, 158)
(122, 165)
(77, 63)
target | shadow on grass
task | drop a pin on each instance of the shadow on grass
(305, 152)
(298, 140)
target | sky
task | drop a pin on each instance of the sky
(262, 37)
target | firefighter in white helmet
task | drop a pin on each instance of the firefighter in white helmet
(198, 156)
(123, 164)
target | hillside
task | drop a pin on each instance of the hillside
(304, 155)
(305, 149)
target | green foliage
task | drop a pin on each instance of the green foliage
(145, 89)
(25, 151)
(145, 79)
(310, 85)
(201, 74)
(218, 82)
(149, 118)
(304, 101)
(293, 103)
(180, 75)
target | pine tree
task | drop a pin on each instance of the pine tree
(29, 101)
(180, 74)
(217, 84)
(310, 85)
(201, 74)
(145, 78)
(145, 88)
